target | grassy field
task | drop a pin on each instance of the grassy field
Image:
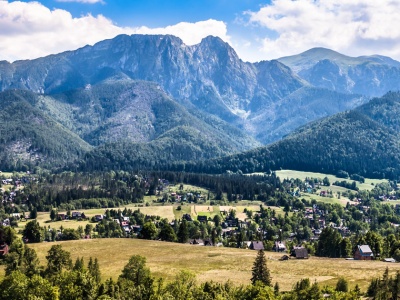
(165, 211)
(218, 264)
(368, 185)
(342, 201)
(187, 188)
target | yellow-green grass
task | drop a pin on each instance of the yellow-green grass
(240, 214)
(7, 187)
(185, 209)
(391, 202)
(342, 201)
(368, 185)
(151, 199)
(10, 174)
(188, 188)
(218, 264)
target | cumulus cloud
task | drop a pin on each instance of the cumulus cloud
(356, 27)
(30, 30)
(191, 33)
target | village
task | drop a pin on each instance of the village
(294, 226)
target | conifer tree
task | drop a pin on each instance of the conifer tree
(183, 232)
(260, 271)
(79, 265)
(94, 269)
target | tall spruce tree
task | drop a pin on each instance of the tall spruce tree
(183, 232)
(260, 271)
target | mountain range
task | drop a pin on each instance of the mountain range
(361, 141)
(151, 98)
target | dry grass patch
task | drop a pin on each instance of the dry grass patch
(164, 211)
(240, 214)
(218, 264)
(187, 188)
(196, 209)
(342, 201)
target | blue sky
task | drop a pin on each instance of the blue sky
(257, 30)
(158, 13)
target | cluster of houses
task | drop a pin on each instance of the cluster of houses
(124, 222)
(75, 215)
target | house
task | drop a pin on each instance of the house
(187, 217)
(98, 218)
(256, 245)
(15, 215)
(3, 249)
(126, 228)
(390, 260)
(363, 252)
(62, 216)
(198, 242)
(299, 253)
(279, 247)
(76, 215)
(231, 221)
(202, 218)
(136, 228)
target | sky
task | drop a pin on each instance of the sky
(257, 30)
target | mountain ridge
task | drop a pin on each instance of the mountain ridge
(209, 75)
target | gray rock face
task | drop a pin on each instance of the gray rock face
(368, 75)
(208, 76)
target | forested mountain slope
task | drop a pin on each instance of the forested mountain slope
(363, 141)
(123, 115)
(29, 138)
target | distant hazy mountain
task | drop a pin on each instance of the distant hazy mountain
(208, 76)
(362, 141)
(367, 75)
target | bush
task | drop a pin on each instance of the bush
(342, 285)
(342, 174)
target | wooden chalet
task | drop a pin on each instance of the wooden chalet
(363, 252)
(299, 253)
(256, 245)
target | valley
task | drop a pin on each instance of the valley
(176, 158)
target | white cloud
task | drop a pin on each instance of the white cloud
(191, 33)
(31, 30)
(353, 27)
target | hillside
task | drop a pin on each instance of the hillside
(208, 77)
(183, 143)
(130, 120)
(29, 137)
(137, 111)
(362, 141)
